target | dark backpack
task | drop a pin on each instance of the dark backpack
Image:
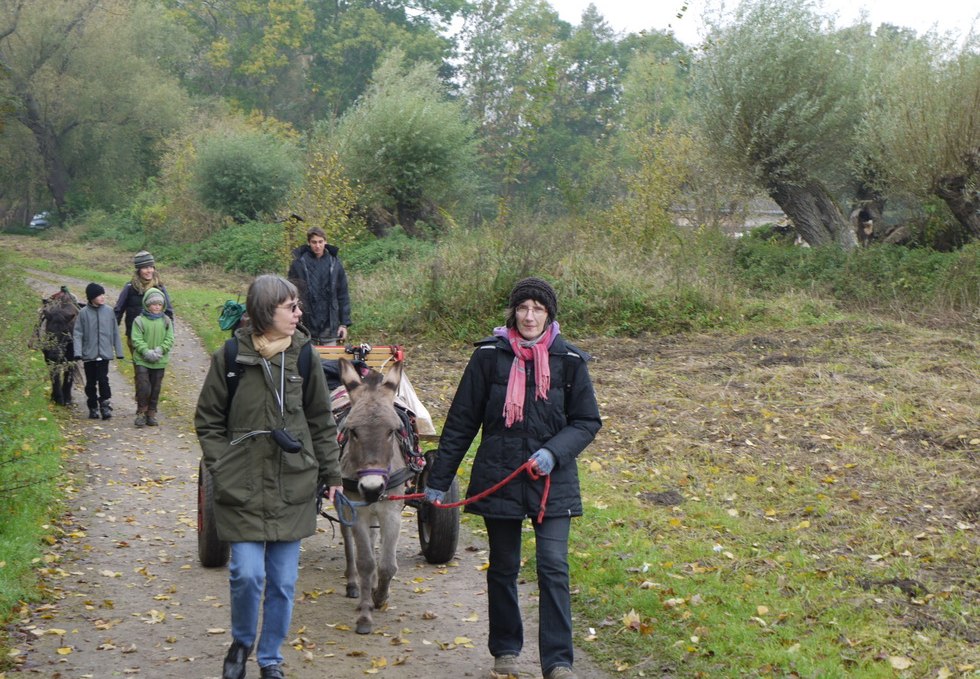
(234, 369)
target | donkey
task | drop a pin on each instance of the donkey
(372, 466)
(53, 336)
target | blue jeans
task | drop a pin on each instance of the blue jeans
(256, 568)
(555, 607)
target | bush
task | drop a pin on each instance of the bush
(252, 248)
(877, 277)
(245, 174)
(395, 247)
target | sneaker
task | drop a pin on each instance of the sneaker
(140, 420)
(560, 672)
(106, 409)
(505, 666)
(93, 413)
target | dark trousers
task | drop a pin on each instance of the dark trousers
(555, 607)
(148, 381)
(97, 383)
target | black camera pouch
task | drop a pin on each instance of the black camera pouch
(286, 441)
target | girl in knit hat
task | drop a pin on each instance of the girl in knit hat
(529, 391)
(152, 339)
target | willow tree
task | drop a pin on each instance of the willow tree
(86, 85)
(780, 102)
(407, 146)
(925, 131)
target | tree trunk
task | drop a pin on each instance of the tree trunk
(815, 215)
(963, 202)
(55, 172)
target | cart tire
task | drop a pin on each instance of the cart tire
(212, 552)
(438, 528)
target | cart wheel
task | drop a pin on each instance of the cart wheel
(438, 528)
(211, 551)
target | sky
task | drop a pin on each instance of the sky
(632, 16)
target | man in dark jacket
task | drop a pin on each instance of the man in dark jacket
(322, 282)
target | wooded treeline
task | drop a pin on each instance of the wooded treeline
(190, 115)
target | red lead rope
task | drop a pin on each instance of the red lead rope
(527, 466)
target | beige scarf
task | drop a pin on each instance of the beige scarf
(269, 347)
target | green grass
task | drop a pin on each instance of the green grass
(31, 447)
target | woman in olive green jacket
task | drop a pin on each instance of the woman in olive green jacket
(265, 486)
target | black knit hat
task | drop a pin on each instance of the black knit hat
(142, 258)
(93, 290)
(539, 291)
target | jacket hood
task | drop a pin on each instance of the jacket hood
(151, 292)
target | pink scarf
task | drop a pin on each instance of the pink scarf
(527, 350)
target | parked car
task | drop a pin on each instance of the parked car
(40, 221)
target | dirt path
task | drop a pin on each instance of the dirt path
(129, 598)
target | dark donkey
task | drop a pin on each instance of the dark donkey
(372, 466)
(53, 336)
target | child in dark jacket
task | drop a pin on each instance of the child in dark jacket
(152, 339)
(96, 341)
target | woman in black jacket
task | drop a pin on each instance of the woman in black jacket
(530, 392)
(129, 304)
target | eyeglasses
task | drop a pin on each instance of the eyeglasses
(291, 307)
(524, 310)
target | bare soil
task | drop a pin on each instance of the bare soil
(128, 597)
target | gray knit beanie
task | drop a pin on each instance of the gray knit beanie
(143, 258)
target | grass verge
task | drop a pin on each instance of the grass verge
(31, 448)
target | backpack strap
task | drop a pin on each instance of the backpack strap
(233, 369)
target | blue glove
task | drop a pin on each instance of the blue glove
(432, 495)
(544, 461)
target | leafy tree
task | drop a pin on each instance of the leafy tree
(245, 175)
(924, 131)
(95, 101)
(407, 146)
(250, 52)
(325, 199)
(511, 72)
(353, 37)
(656, 83)
(781, 101)
(300, 60)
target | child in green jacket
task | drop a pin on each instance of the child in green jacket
(153, 338)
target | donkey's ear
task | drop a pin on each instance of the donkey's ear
(349, 375)
(394, 376)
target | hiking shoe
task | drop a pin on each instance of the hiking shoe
(560, 672)
(272, 672)
(140, 420)
(106, 409)
(505, 666)
(151, 420)
(93, 413)
(234, 665)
